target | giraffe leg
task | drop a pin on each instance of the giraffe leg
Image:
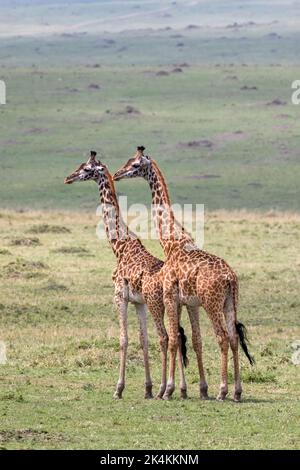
(220, 329)
(183, 386)
(197, 345)
(142, 315)
(164, 354)
(171, 304)
(122, 306)
(157, 310)
(234, 345)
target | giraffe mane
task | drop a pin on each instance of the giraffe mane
(162, 179)
(112, 188)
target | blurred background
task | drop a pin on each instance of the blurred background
(205, 86)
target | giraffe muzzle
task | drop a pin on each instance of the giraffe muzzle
(68, 180)
(120, 175)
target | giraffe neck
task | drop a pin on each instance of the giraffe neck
(117, 232)
(168, 228)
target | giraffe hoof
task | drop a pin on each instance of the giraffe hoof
(203, 392)
(221, 399)
(183, 394)
(117, 396)
(166, 397)
(221, 396)
(160, 394)
(237, 398)
(148, 391)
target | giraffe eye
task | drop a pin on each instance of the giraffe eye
(136, 165)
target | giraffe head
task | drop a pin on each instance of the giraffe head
(138, 165)
(91, 170)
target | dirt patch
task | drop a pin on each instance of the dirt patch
(203, 143)
(247, 87)
(13, 142)
(25, 242)
(283, 116)
(54, 286)
(32, 434)
(16, 310)
(111, 42)
(255, 185)
(72, 250)
(240, 25)
(5, 252)
(282, 127)
(276, 102)
(162, 73)
(130, 110)
(24, 268)
(45, 228)
(192, 26)
(203, 177)
(273, 36)
(231, 77)
(72, 90)
(94, 86)
(235, 136)
(36, 130)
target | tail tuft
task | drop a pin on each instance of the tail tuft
(242, 333)
(183, 341)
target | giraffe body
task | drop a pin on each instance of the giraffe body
(137, 277)
(193, 278)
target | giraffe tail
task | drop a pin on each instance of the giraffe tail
(242, 333)
(183, 348)
(240, 327)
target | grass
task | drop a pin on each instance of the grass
(206, 87)
(61, 334)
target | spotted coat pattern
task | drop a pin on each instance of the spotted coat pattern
(192, 277)
(137, 277)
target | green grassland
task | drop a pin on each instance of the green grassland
(206, 87)
(217, 143)
(61, 334)
(223, 128)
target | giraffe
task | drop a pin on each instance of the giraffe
(137, 279)
(203, 280)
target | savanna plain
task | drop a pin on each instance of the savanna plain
(206, 87)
